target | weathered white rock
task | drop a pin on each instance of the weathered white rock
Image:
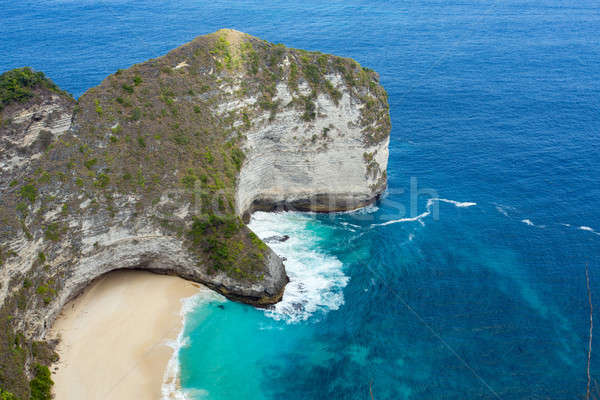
(325, 163)
(318, 165)
(30, 130)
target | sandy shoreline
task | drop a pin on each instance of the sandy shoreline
(114, 336)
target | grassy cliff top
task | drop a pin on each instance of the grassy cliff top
(18, 85)
(159, 126)
(155, 134)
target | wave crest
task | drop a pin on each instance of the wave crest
(316, 279)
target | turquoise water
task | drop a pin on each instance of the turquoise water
(493, 103)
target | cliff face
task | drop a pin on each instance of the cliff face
(155, 167)
(28, 129)
(325, 164)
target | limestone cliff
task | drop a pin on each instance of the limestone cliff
(324, 164)
(156, 167)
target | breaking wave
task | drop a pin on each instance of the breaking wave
(170, 389)
(316, 279)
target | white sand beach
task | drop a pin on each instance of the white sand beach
(114, 336)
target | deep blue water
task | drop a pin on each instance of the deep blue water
(496, 103)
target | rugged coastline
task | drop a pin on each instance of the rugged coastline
(158, 167)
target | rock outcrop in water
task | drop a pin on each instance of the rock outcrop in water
(158, 167)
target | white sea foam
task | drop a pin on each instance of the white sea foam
(350, 227)
(171, 390)
(419, 218)
(316, 279)
(408, 219)
(371, 208)
(588, 229)
(456, 203)
(530, 223)
(502, 209)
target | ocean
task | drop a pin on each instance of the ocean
(467, 280)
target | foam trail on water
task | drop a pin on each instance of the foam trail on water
(460, 204)
(316, 279)
(502, 209)
(530, 223)
(371, 208)
(588, 229)
(430, 202)
(349, 224)
(411, 219)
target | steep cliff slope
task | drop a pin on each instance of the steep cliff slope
(156, 167)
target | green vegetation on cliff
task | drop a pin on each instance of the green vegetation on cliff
(18, 85)
(17, 351)
(158, 144)
(41, 384)
(156, 126)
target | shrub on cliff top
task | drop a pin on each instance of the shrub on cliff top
(17, 85)
(41, 384)
(28, 192)
(7, 395)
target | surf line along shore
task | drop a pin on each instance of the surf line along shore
(114, 337)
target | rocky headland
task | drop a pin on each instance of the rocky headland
(160, 166)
